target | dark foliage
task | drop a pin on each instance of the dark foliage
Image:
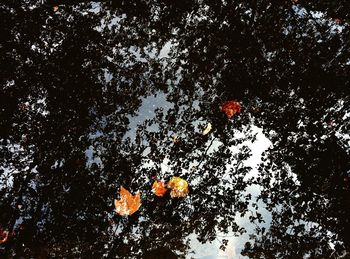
(73, 80)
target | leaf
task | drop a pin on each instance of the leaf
(207, 129)
(178, 186)
(230, 108)
(176, 139)
(128, 203)
(158, 188)
(55, 8)
(3, 236)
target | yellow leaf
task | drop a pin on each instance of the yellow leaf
(158, 188)
(128, 203)
(178, 186)
(207, 129)
(176, 139)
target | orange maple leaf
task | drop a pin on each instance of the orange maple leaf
(3, 236)
(128, 203)
(230, 108)
(178, 186)
(158, 188)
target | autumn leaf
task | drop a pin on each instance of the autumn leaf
(176, 139)
(178, 186)
(158, 188)
(128, 203)
(3, 236)
(207, 129)
(230, 108)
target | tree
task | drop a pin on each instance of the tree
(73, 79)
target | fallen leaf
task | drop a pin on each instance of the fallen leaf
(128, 203)
(207, 129)
(3, 236)
(178, 186)
(158, 188)
(176, 139)
(55, 8)
(230, 108)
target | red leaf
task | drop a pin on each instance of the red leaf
(230, 108)
(158, 188)
(3, 236)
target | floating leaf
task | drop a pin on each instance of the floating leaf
(3, 236)
(176, 139)
(207, 129)
(178, 186)
(128, 203)
(158, 188)
(230, 108)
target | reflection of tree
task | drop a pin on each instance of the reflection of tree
(288, 81)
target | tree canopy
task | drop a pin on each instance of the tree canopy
(73, 81)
